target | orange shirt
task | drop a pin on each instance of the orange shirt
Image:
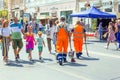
(78, 32)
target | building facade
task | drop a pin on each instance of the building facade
(16, 8)
(3, 9)
(56, 8)
(53, 8)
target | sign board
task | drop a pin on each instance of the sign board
(26, 17)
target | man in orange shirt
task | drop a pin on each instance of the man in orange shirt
(62, 40)
(78, 37)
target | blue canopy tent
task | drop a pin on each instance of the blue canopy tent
(93, 13)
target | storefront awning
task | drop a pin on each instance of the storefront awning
(45, 17)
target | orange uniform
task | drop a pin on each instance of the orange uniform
(62, 41)
(78, 35)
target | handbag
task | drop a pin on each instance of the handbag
(105, 35)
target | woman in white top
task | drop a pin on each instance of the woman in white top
(54, 34)
(6, 33)
(50, 32)
(0, 34)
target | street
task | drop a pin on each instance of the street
(103, 64)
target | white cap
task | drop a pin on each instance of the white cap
(63, 16)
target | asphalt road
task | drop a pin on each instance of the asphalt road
(103, 64)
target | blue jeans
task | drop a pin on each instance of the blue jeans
(100, 35)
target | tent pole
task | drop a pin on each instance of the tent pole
(88, 25)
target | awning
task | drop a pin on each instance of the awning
(45, 17)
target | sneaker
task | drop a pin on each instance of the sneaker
(18, 56)
(31, 60)
(40, 58)
(16, 59)
(106, 47)
(78, 55)
(60, 62)
(73, 60)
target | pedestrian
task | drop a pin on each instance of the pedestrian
(36, 27)
(25, 26)
(82, 23)
(118, 34)
(30, 41)
(16, 36)
(116, 27)
(111, 35)
(78, 38)
(0, 34)
(96, 33)
(62, 40)
(100, 30)
(40, 26)
(33, 24)
(54, 35)
(50, 32)
(6, 38)
(11, 21)
(40, 42)
(0, 29)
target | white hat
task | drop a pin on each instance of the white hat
(63, 16)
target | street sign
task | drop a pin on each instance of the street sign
(4, 13)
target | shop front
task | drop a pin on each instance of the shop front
(58, 10)
(66, 14)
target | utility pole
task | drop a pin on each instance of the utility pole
(101, 4)
(4, 8)
(77, 6)
(9, 9)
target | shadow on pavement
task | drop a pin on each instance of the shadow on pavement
(88, 58)
(13, 64)
(75, 64)
(99, 41)
(114, 49)
(26, 62)
(88, 43)
(23, 62)
(47, 59)
(41, 61)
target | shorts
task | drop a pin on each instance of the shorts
(27, 50)
(40, 48)
(17, 43)
(54, 40)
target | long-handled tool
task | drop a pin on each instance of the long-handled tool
(71, 52)
(86, 49)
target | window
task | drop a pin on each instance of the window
(83, 9)
(54, 14)
(66, 14)
(108, 10)
(46, 13)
